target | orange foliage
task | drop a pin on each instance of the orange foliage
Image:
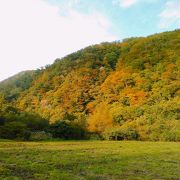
(136, 97)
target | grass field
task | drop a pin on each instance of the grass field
(101, 160)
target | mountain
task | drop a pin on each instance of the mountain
(16, 84)
(122, 89)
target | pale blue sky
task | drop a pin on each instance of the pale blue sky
(131, 17)
(34, 33)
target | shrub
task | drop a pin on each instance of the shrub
(173, 135)
(66, 130)
(40, 136)
(119, 133)
(94, 136)
(12, 130)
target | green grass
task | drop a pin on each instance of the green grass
(91, 160)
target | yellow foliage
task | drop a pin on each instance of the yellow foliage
(100, 119)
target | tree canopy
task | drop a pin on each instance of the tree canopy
(110, 88)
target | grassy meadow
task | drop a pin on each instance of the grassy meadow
(91, 160)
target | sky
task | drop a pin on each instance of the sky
(33, 33)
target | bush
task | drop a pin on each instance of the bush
(15, 124)
(13, 130)
(120, 134)
(40, 136)
(33, 121)
(94, 136)
(66, 130)
(173, 135)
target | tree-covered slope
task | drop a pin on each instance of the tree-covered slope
(121, 90)
(13, 86)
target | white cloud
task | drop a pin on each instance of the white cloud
(125, 3)
(129, 3)
(171, 14)
(33, 33)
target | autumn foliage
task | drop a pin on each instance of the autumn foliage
(128, 88)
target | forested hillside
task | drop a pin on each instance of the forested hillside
(120, 90)
(13, 86)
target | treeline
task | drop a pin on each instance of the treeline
(120, 90)
(18, 125)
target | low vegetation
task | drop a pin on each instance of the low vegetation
(91, 160)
